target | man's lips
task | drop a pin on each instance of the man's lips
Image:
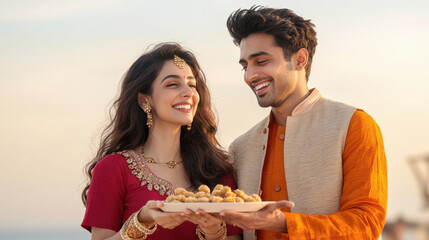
(261, 86)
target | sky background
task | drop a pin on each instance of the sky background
(61, 63)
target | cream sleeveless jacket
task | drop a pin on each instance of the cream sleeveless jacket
(313, 149)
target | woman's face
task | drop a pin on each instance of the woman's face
(174, 98)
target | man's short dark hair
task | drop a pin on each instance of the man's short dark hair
(291, 32)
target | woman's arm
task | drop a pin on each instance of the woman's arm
(104, 234)
(235, 237)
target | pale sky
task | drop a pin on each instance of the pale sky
(61, 63)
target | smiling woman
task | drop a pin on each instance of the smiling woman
(161, 137)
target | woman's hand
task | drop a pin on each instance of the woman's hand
(151, 213)
(208, 223)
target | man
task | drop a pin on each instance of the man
(325, 156)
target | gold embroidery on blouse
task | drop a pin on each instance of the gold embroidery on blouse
(145, 175)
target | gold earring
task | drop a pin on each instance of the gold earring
(147, 109)
(189, 126)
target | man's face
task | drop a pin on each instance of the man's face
(266, 71)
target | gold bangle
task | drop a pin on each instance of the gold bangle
(142, 226)
(124, 232)
(134, 230)
(200, 232)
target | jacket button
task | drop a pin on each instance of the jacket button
(278, 235)
(265, 130)
(263, 147)
(282, 137)
(277, 188)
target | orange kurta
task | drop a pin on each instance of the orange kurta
(364, 197)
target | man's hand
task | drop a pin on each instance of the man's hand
(268, 218)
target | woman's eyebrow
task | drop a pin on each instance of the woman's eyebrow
(176, 76)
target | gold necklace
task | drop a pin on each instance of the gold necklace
(171, 164)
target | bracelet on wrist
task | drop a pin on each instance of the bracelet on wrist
(201, 234)
(135, 230)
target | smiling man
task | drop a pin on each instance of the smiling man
(326, 157)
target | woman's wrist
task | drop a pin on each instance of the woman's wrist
(135, 230)
(144, 217)
(211, 229)
(218, 234)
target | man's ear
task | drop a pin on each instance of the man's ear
(301, 59)
(142, 99)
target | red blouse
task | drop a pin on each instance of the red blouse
(121, 185)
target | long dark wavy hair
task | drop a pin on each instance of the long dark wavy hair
(290, 31)
(204, 160)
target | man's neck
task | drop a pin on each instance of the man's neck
(281, 112)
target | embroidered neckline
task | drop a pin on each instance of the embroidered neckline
(142, 172)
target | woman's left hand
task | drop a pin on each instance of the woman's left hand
(207, 222)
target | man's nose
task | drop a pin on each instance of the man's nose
(250, 74)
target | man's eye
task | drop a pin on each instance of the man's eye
(244, 68)
(262, 62)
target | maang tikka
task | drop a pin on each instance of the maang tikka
(180, 63)
(147, 109)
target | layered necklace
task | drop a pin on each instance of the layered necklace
(171, 164)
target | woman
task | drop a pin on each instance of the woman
(162, 137)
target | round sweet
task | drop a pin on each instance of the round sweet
(230, 194)
(204, 188)
(180, 198)
(225, 190)
(170, 198)
(240, 193)
(229, 199)
(256, 197)
(216, 199)
(203, 199)
(189, 194)
(249, 199)
(180, 191)
(202, 194)
(217, 193)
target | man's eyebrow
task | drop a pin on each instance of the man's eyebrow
(176, 76)
(253, 56)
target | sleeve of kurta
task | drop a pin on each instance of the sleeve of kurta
(364, 196)
(105, 205)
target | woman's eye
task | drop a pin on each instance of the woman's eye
(193, 85)
(171, 84)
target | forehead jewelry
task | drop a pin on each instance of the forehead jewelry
(180, 63)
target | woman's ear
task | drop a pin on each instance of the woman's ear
(142, 99)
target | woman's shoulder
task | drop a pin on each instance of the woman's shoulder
(112, 161)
